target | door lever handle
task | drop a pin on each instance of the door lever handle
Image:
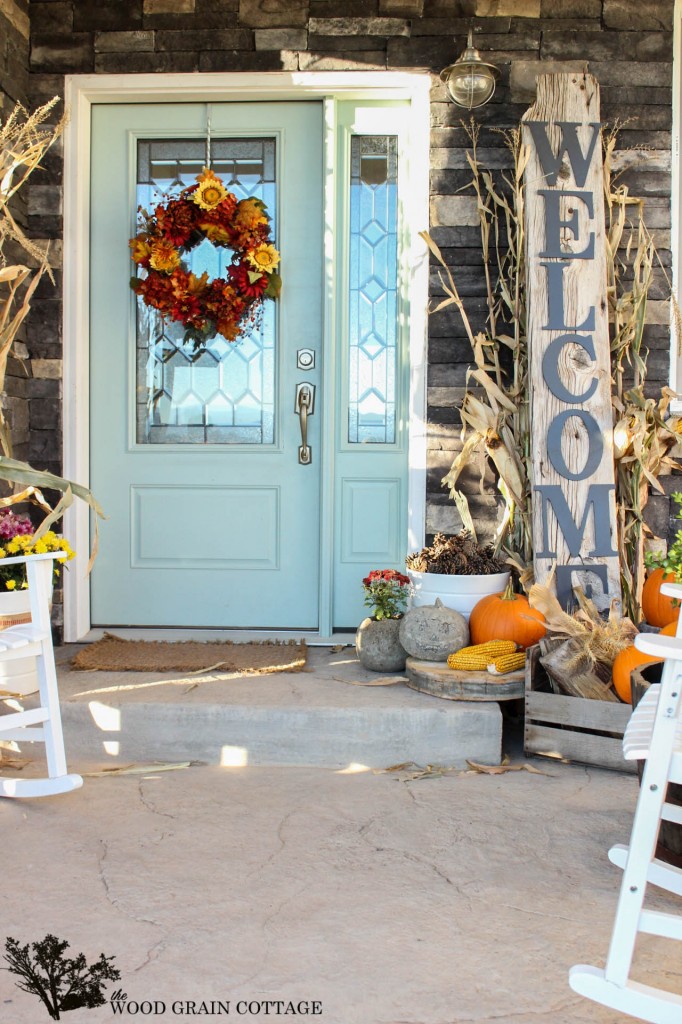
(304, 406)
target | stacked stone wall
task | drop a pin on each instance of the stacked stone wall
(14, 46)
(626, 44)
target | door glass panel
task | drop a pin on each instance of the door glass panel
(373, 289)
(224, 393)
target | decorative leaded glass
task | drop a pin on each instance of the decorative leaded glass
(373, 289)
(225, 393)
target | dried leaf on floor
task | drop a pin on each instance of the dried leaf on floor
(137, 769)
(395, 768)
(17, 764)
(503, 768)
(429, 771)
(383, 681)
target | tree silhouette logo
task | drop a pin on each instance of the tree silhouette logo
(61, 983)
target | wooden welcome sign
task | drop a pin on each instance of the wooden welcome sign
(573, 489)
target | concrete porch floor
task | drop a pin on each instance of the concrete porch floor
(317, 717)
(454, 900)
(389, 899)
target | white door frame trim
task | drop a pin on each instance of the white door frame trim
(81, 92)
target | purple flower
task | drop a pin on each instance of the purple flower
(12, 525)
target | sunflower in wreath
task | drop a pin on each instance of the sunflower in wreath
(231, 306)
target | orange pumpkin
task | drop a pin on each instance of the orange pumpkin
(630, 659)
(506, 616)
(658, 609)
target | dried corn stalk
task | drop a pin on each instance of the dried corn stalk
(24, 140)
(495, 414)
(581, 663)
(23, 143)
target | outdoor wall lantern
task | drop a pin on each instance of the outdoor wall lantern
(470, 81)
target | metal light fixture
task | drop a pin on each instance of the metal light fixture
(470, 81)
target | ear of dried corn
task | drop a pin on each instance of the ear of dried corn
(507, 663)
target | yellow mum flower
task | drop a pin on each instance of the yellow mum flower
(13, 547)
(140, 248)
(165, 257)
(40, 548)
(10, 584)
(265, 258)
(210, 192)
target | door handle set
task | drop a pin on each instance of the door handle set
(304, 406)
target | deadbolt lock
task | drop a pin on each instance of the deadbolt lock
(305, 359)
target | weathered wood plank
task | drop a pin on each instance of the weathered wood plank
(577, 746)
(569, 384)
(601, 716)
(435, 678)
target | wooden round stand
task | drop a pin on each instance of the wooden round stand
(435, 678)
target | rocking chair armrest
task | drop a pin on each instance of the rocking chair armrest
(22, 559)
(659, 646)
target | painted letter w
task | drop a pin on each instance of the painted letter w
(570, 145)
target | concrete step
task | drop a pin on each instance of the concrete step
(320, 717)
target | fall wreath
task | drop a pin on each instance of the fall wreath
(229, 306)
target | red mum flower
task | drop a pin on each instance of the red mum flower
(176, 221)
(187, 310)
(240, 277)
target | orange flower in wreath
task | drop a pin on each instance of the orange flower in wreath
(229, 306)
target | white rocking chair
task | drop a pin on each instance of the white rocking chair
(653, 734)
(43, 723)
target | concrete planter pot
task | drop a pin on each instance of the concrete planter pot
(378, 645)
(461, 593)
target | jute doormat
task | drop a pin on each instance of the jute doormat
(114, 654)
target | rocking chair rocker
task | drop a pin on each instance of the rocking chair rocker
(653, 734)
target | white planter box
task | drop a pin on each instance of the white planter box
(462, 593)
(18, 676)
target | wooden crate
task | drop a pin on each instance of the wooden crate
(575, 728)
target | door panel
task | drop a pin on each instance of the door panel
(213, 520)
(373, 369)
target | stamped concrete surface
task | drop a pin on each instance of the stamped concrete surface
(386, 898)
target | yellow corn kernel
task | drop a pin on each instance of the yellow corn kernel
(507, 663)
(477, 657)
(495, 648)
(470, 662)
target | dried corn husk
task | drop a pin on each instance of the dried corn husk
(602, 640)
(583, 645)
(572, 670)
(495, 414)
(24, 140)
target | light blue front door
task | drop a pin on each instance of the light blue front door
(213, 521)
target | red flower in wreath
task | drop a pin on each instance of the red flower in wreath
(205, 308)
(247, 282)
